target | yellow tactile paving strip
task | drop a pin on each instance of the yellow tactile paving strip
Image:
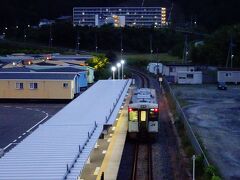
(113, 156)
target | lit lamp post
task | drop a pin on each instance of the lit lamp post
(118, 67)
(113, 71)
(160, 81)
(122, 63)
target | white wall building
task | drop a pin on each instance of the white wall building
(188, 77)
(170, 71)
(133, 16)
(228, 75)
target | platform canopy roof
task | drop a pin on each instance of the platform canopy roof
(59, 148)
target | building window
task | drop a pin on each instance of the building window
(190, 76)
(65, 85)
(33, 85)
(172, 69)
(228, 74)
(19, 85)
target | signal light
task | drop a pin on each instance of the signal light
(155, 109)
(129, 109)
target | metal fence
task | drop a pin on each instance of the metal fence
(192, 137)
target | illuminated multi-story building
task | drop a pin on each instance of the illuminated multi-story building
(120, 16)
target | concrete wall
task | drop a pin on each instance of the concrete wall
(47, 89)
(228, 76)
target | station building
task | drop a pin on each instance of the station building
(120, 16)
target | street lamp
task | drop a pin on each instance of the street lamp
(113, 71)
(122, 63)
(118, 67)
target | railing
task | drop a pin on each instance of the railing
(115, 103)
(192, 137)
(70, 166)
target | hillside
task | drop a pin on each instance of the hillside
(208, 13)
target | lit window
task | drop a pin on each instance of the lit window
(33, 85)
(19, 85)
(143, 115)
(65, 85)
(133, 115)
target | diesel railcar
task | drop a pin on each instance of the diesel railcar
(143, 112)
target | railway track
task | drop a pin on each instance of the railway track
(160, 159)
(142, 166)
(145, 82)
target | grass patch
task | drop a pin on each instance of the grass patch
(142, 60)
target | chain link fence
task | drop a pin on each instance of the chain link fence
(192, 137)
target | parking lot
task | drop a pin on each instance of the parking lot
(215, 117)
(17, 120)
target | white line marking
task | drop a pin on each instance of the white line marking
(96, 171)
(29, 108)
(19, 107)
(19, 137)
(38, 123)
(26, 131)
(7, 146)
(7, 106)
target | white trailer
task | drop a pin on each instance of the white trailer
(228, 75)
(155, 68)
(187, 77)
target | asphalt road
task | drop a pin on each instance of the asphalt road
(18, 120)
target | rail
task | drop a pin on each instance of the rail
(194, 141)
(138, 165)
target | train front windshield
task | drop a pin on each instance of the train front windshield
(153, 114)
(133, 115)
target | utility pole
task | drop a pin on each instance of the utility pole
(50, 36)
(230, 53)
(96, 43)
(151, 48)
(121, 44)
(185, 50)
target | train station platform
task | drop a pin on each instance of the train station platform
(59, 148)
(106, 156)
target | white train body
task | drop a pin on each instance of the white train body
(143, 112)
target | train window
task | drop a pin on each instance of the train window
(143, 115)
(133, 115)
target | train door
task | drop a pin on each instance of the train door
(143, 120)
